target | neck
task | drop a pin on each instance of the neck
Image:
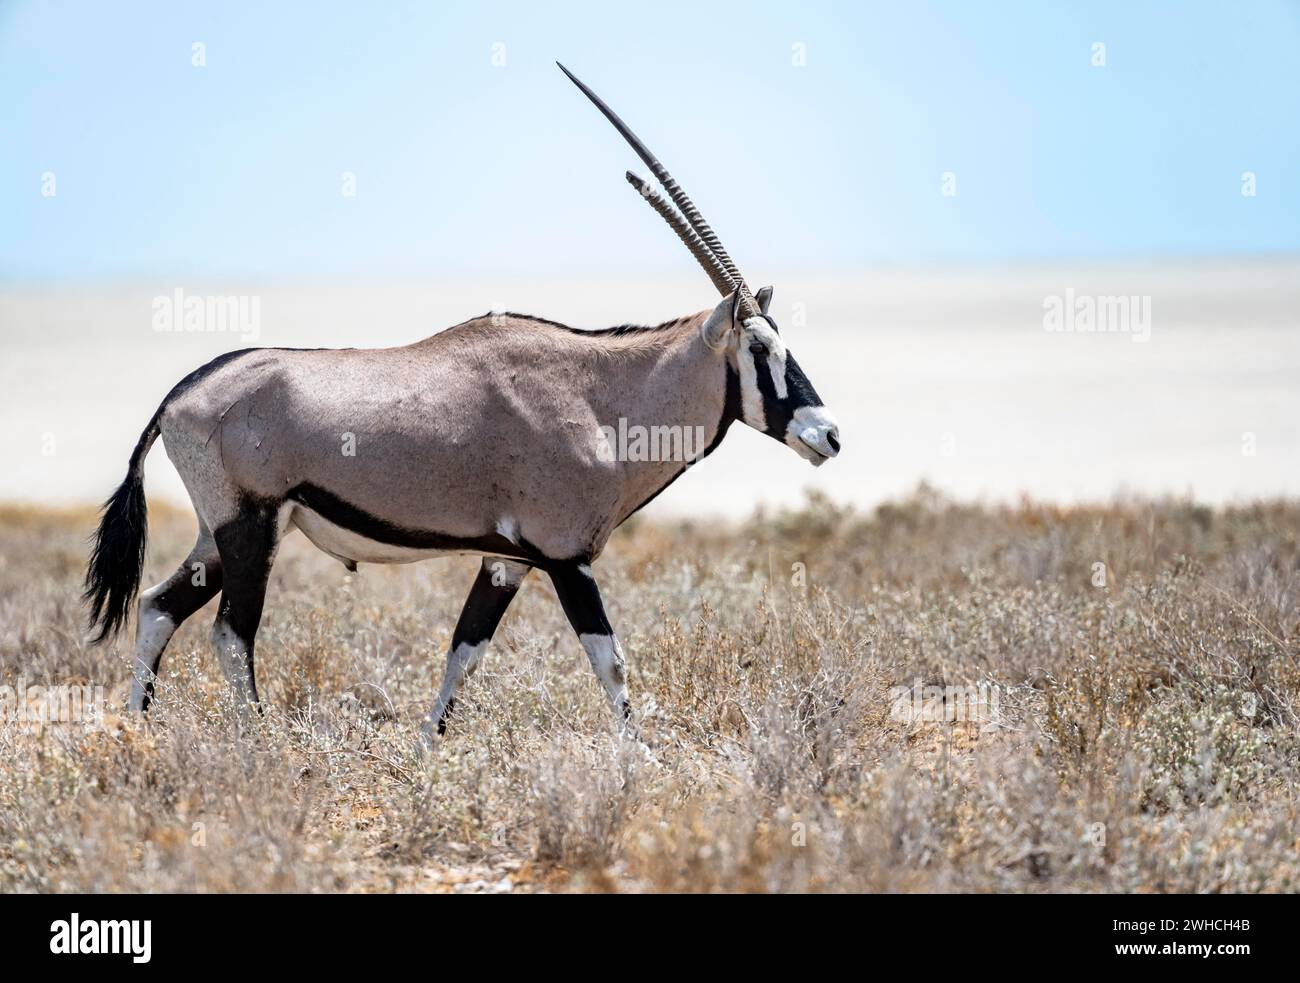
(678, 400)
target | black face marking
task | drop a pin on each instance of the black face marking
(799, 389)
(777, 412)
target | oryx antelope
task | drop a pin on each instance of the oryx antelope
(485, 438)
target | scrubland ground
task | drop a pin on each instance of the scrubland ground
(929, 697)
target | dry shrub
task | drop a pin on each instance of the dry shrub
(1143, 736)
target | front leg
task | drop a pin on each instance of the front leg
(580, 598)
(494, 588)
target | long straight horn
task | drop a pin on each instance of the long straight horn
(749, 308)
(692, 242)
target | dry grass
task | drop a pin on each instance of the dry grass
(1144, 734)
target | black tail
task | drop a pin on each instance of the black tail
(117, 557)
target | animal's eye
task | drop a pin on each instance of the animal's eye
(758, 349)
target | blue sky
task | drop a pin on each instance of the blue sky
(233, 170)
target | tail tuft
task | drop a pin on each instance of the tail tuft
(117, 556)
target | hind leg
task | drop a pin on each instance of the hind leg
(246, 545)
(163, 608)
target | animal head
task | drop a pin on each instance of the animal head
(776, 397)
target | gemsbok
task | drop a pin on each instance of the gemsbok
(491, 437)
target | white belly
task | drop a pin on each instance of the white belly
(345, 545)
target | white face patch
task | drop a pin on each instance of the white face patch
(756, 330)
(810, 432)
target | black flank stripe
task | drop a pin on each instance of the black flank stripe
(355, 519)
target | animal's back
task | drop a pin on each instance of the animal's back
(460, 432)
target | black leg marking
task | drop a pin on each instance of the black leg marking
(447, 711)
(485, 606)
(580, 598)
(247, 547)
(178, 597)
(494, 588)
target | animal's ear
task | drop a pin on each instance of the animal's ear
(764, 298)
(717, 329)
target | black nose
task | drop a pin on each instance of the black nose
(833, 439)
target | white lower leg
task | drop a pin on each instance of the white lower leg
(606, 657)
(154, 630)
(461, 663)
(232, 653)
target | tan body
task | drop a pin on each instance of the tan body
(490, 426)
(492, 437)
